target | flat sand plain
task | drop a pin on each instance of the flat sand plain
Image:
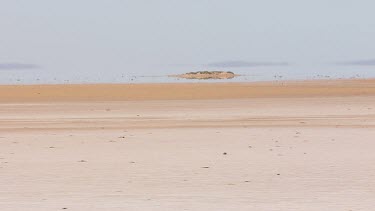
(258, 146)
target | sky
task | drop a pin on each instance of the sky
(76, 38)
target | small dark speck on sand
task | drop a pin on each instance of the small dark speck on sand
(224, 153)
(82, 161)
(205, 167)
(278, 174)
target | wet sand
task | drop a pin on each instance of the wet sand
(266, 147)
(187, 91)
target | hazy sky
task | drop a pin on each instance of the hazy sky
(105, 36)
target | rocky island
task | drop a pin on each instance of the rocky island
(207, 75)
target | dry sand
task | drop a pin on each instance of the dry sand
(262, 146)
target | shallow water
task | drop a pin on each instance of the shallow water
(160, 75)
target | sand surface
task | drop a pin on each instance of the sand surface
(267, 148)
(188, 91)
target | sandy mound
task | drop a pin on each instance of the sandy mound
(207, 75)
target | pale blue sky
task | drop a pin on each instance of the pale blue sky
(148, 37)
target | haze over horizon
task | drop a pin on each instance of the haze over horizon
(103, 38)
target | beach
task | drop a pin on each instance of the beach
(265, 146)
